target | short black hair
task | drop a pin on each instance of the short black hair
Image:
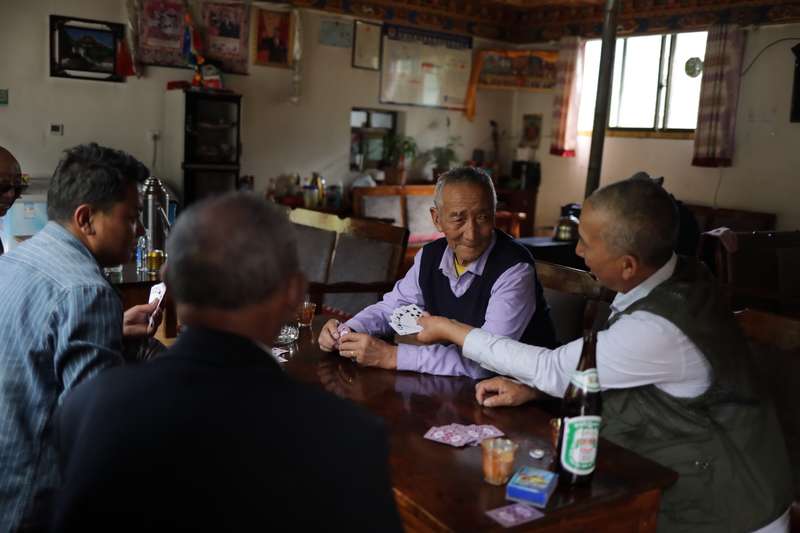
(644, 219)
(92, 174)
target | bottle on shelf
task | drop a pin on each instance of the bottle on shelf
(581, 408)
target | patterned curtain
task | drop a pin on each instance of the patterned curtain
(719, 94)
(569, 70)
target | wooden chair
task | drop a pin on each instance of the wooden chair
(360, 265)
(763, 273)
(775, 342)
(577, 300)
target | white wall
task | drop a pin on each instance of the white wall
(765, 175)
(277, 136)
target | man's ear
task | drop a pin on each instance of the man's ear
(82, 218)
(630, 267)
(435, 219)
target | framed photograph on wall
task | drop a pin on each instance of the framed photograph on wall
(84, 48)
(161, 26)
(366, 45)
(273, 38)
(227, 28)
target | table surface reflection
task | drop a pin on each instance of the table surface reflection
(441, 488)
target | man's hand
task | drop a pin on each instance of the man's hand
(500, 391)
(440, 329)
(368, 351)
(135, 321)
(329, 336)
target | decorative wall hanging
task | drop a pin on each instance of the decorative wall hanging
(273, 38)
(84, 48)
(227, 29)
(161, 28)
(366, 45)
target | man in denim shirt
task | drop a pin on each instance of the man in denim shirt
(61, 322)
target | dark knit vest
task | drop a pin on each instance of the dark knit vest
(470, 307)
(725, 444)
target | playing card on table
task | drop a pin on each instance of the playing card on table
(452, 434)
(277, 353)
(514, 514)
(476, 434)
(404, 319)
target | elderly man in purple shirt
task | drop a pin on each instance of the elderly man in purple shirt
(475, 273)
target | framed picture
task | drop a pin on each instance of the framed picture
(273, 38)
(161, 26)
(84, 49)
(366, 45)
(227, 30)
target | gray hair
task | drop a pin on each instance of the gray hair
(230, 251)
(643, 219)
(469, 175)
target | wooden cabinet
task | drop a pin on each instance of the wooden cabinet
(520, 201)
(202, 142)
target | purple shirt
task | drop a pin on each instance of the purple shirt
(511, 306)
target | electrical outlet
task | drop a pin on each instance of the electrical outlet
(153, 135)
(56, 129)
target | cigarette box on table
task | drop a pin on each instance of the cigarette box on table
(531, 485)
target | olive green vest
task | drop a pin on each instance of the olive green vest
(725, 444)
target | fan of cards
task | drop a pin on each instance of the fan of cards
(157, 293)
(404, 320)
(460, 435)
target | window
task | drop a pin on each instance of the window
(369, 129)
(651, 89)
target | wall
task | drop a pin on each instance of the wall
(764, 176)
(277, 136)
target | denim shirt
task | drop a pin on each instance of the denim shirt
(60, 323)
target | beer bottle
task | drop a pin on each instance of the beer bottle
(579, 431)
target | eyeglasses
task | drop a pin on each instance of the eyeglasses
(17, 182)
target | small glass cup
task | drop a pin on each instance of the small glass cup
(498, 460)
(289, 333)
(305, 313)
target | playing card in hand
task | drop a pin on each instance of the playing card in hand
(404, 319)
(157, 293)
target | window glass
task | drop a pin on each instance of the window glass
(639, 87)
(684, 91)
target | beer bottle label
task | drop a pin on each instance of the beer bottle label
(586, 380)
(579, 447)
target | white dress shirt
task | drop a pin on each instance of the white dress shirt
(638, 349)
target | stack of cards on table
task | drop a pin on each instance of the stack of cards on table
(514, 514)
(460, 435)
(404, 320)
(277, 353)
(531, 485)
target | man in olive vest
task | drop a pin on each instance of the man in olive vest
(677, 378)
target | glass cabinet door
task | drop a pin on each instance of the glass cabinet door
(212, 130)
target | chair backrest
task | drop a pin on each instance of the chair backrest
(775, 343)
(763, 272)
(577, 300)
(362, 252)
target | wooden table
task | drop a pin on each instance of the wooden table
(441, 488)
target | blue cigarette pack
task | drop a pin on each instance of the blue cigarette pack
(531, 485)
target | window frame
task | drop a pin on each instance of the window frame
(663, 93)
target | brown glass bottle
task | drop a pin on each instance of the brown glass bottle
(581, 407)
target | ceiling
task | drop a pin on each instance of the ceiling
(538, 21)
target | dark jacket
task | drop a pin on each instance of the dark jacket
(214, 436)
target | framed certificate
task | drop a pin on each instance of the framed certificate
(366, 45)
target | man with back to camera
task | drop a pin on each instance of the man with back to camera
(11, 185)
(475, 274)
(678, 381)
(213, 435)
(61, 321)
